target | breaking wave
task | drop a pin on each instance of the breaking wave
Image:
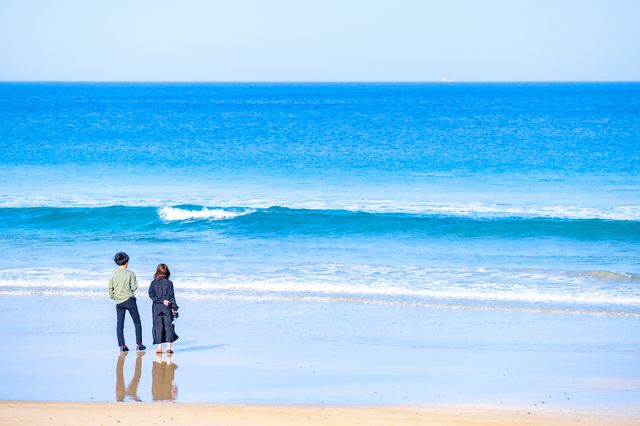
(174, 213)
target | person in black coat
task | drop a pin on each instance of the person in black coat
(164, 308)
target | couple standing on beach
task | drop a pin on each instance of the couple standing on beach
(122, 286)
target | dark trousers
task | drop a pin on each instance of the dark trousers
(131, 306)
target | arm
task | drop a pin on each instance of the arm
(134, 282)
(111, 289)
(172, 297)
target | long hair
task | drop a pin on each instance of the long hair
(162, 271)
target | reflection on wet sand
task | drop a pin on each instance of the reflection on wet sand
(132, 389)
(162, 375)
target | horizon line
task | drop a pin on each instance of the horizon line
(444, 82)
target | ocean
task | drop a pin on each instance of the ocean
(507, 196)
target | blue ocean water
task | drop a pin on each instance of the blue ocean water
(493, 196)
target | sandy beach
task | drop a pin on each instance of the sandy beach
(26, 413)
(299, 355)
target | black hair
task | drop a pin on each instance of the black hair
(121, 258)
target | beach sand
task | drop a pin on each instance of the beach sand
(26, 413)
(270, 362)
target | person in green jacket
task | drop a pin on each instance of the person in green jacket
(121, 287)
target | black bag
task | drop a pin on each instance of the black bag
(174, 310)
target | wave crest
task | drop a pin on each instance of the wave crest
(176, 213)
(228, 207)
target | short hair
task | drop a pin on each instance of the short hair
(162, 271)
(121, 258)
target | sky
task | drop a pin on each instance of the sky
(322, 40)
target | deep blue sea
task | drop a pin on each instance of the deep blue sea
(487, 196)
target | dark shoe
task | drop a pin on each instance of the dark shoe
(141, 347)
(124, 349)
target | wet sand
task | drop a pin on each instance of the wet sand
(269, 355)
(27, 413)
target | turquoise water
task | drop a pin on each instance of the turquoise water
(495, 196)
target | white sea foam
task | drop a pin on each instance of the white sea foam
(174, 213)
(518, 289)
(441, 292)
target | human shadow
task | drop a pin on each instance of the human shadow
(132, 390)
(163, 387)
(201, 348)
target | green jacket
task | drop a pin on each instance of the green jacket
(122, 285)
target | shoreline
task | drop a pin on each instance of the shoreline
(113, 413)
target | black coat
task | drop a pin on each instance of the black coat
(163, 328)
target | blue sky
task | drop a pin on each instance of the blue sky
(323, 40)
